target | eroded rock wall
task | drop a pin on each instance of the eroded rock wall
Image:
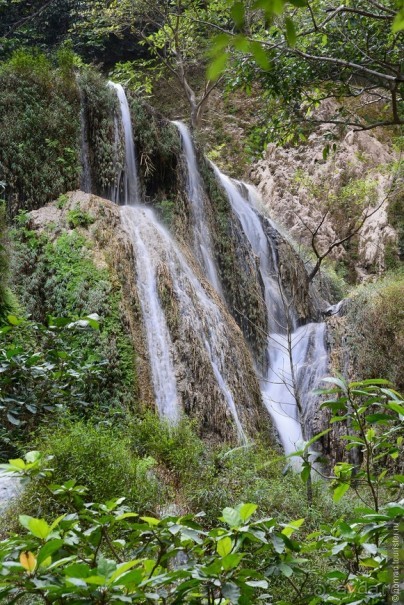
(304, 187)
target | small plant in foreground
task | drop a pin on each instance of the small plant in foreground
(106, 554)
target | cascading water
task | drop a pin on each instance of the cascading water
(155, 248)
(202, 239)
(157, 334)
(296, 356)
(130, 181)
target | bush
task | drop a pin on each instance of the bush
(178, 448)
(60, 278)
(39, 130)
(376, 328)
(102, 458)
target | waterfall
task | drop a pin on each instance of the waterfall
(157, 335)
(296, 356)
(130, 180)
(202, 239)
(159, 343)
(157, 255)
(156, 251)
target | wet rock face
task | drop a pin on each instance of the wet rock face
(294, 278)
(193, 311)
(299, 186)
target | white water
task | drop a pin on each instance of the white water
(309, 358)
(155, 248)
(157, 335)
(130, 180)
(202, 239)
(279, 316)
(306, 344)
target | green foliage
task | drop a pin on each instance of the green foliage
(166, 208)
(78, 218)
(178, 447)
(42, 369)
(109, 550)
(376, 329)
(101, 456)
(100, 102)
(59, 277)
(5, 296)
(39, 129)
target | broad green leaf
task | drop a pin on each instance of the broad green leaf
(232, 517)
(150, 520)
(231, 561)
(292, 526)
(237, 13)
(285, 569)
(339, 491)
(398, 23)
(78, 570)
(224, 546)
(247, 510)
(305, 472)
(270, 7)
(231, 591)
(14, 320)
(46, 551)
(121, 569)
(17, 463)
(399, 409)
(260, 55)
(39, 528)
(290, 32)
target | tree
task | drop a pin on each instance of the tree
(176, 40)
(321, 51)
(350, 207)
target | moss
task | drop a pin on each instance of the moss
(39, 129)
(100, 104)
(60, 278)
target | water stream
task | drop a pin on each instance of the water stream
(130, 180)
(297, 356)
(201, 234)
(156, 250)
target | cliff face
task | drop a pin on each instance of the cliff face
(328, 184)
(186, 301)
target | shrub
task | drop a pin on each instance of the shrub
(105, 549)
(78, 218)
(376, 329)
(178, 448)
(39, 130)
(101, 457)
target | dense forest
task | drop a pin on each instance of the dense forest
(201, 302)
